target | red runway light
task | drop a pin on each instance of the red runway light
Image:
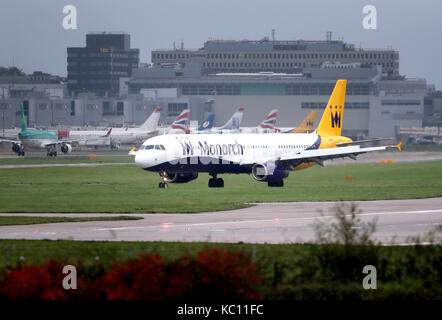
(275, 219)
(36, 230)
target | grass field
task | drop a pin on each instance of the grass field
(67, 159)
(126, 188)
(21, 220)
(422, 147)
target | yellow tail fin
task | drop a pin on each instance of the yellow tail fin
(307, 124)
(331, 121)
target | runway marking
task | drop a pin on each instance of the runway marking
(268, 220)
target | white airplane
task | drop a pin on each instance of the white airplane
(124, 135)
(268, 157)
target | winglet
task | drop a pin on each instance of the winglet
(399, 146)
(108, 133)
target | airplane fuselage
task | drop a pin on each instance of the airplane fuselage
(218, 153)
(36, 139)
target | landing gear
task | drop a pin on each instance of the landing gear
(275, 183)
(163, 184)
(52, 152)
(216, 182)
(18, 149)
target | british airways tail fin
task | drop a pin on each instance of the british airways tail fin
(181, 123)
(270, 121)
(234, 122)
(208, 123)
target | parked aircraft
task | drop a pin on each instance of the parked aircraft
(37, 139)
(123, 135)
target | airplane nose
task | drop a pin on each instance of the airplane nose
(142, 160)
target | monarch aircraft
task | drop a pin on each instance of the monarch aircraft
(268, 157)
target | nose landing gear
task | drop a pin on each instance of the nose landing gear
(163, 184)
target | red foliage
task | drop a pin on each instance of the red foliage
(34, 282)
(143, 278)
(214, 273)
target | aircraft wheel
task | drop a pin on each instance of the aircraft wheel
(212, 183)
(55, 153)
(219, 183)
(162, 185)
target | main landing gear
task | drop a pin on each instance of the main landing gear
(275, 183)
(18, 149)
(52, 152)
(215, 182)
(163, 184)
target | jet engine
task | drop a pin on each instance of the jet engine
(15, 147)
(181, 177)
(66, 148)
(268, 171)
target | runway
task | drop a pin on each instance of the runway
(263, 223)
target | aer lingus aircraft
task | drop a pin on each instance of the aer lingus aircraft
(268, 157)
(37, 139)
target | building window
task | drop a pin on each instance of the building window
(120, 108)
(174, 109)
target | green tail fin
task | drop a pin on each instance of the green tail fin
(23, 118)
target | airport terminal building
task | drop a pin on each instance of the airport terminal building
(379, 101)
(278, 56)
(375, 106)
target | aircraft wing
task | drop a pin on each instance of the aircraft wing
(56, 143)
(10, 141)
(363, 141)
(320, 155)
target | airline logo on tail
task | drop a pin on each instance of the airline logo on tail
(181, 121)
(208, 123)
(330, 124)
(308, 124)
(270, 121)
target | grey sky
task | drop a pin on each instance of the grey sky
(32, 35)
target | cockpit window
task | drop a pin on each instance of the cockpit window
(162, 147)
(148, 147)
(157, 147)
